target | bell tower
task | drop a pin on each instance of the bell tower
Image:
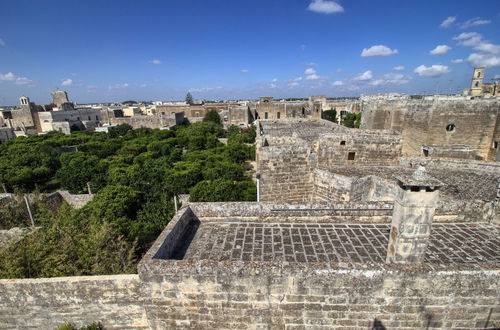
(476, 87)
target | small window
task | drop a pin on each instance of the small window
(89, 118)
(495, 145)
(97, 118)
(351, 156)
(266, 115)
(479, 74)
(196, 114)
(342, 143)
(450, 128)
(303, 111)
(477, 84)
(294, 114)
(77, 118)
(278, 115)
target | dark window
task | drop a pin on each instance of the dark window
(342, 143)
(278, 115)
(495, 144)
(415, 188)
(89, 118)
(303, 111)
(479, 74)
(477, 84)
(426, 153)
(351, 156)
(450, 128)
(266, 115)
(97, 118)
(294, 114)
(77, 118)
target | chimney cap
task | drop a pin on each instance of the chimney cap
(419, 178)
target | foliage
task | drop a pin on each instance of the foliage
(189, 98)
(92, 326)
(134, 175)
(352, 120)
(330, 115)
(119, 130)
(212, 116)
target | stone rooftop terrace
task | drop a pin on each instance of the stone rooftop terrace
(450, 244)
(460, 184)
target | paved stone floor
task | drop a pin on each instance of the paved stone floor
(351, 243)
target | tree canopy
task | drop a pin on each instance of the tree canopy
(134, 175)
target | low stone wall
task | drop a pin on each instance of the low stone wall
(378, 212)
(247, 296)
(115, 301)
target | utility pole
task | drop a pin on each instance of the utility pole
(29, 210)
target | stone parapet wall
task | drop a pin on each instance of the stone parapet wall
(312, 212)
(115, 301)
(311, 298)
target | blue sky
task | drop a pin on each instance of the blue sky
(102, 51)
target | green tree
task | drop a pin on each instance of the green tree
(189, 98)
(119, 130)
(212, 116)
(352, 120)
(330, 115)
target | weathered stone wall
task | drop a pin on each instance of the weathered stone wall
(329, 298)
(374, 212)
(286, 171)
(424, 123)
(115, 301)
(154, 121)
(330, 187)
(287, 156)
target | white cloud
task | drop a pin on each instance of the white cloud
(338, 83)
(205, 89)
(244, 70)
(440, 50)
(310, 71)
(489, 53)
(297, 79)
(474, 22)
(312, 77)
(367, 75)
(468, 38)
(302, 47)
(2, 43)
(488, 48)
(293, 84)
(339, 70)
(399, 68)
(9, 76)
(156, 62)
(378, 50)
(457, 61)
(117, 86)
(312, 64)
(434, 70)
(448, 22)
(325, 7)
(390, 78)
(23, 81)
(143, 85)
(487, 60)
(67, 82)
(271, 85)
(274, 80)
